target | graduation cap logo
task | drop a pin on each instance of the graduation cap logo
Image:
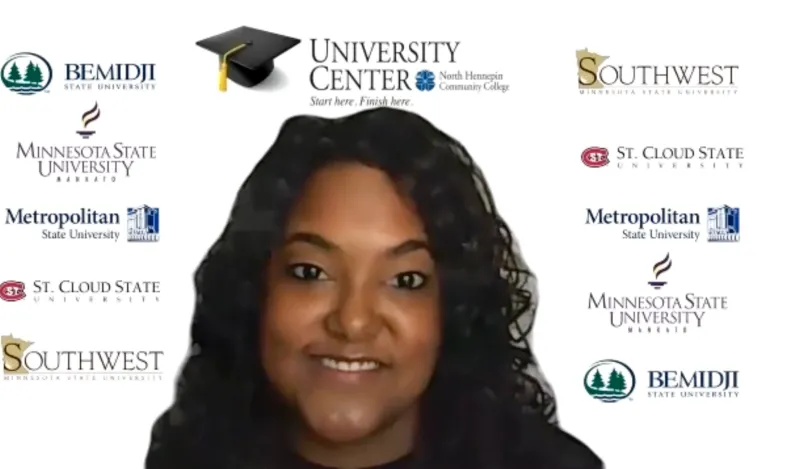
(246, 55)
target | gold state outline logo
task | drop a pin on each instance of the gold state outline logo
(588, 69)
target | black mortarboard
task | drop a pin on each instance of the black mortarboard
(246, 54)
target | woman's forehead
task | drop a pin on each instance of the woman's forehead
(350, 201)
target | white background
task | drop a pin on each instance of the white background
(528, 142)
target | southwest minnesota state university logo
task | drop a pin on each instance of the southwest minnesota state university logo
(23, 362)
(597, 77)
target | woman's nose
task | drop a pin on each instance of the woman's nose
(354, 318)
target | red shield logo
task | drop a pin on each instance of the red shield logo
(595, 157)
(12, 290)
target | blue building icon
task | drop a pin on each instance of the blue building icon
(426, 80)
(143, 224)
(723, 224)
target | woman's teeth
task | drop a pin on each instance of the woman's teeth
(349, 366)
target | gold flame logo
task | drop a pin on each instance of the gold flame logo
(90, 116)
(87, 118)
(659, 268)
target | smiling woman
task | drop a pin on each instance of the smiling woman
(364, 307)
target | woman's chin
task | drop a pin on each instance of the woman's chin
(342, 425)
(342, 434)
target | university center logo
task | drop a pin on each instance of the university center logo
(26, 73)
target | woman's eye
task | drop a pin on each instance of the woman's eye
(409, 280)
(307, 272)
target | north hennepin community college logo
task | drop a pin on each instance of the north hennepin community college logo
(426, 80)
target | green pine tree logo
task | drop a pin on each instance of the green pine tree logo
(13, 75)
(33, 74)
(609, 381)
(26, 74)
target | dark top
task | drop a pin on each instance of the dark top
(403, 463)
(553, 448)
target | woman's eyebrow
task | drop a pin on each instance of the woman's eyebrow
(312, 239)
(319, 241)
(408, 247)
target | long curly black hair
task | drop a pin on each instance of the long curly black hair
(486, 407)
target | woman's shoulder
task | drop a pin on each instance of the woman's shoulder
(553, 448)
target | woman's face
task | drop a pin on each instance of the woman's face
(351, 324)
